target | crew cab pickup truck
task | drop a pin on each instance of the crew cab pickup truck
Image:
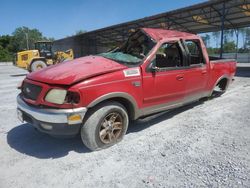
(97, 96)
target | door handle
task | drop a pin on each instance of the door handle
(204, 72)
(179, 77)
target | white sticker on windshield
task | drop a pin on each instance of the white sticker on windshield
(132, 72)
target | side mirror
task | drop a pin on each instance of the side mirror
(157, 62)
(155, 65)
(155, 69)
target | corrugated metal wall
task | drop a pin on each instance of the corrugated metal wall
(81, 46)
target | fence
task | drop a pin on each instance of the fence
(240, 57)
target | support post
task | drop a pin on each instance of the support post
(237, 43)
(222, 30)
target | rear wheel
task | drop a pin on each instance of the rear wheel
(218, 90)
(105, 126)
(37, 65)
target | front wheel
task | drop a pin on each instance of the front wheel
(105, 126)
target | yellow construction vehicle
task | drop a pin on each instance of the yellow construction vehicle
(41, 57)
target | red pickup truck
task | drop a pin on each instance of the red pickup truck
(97, 96)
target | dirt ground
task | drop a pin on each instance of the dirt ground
(206, 144)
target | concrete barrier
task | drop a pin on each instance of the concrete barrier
(6, 63)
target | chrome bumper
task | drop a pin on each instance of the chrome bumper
(51, 115)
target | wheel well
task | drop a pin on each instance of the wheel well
(125, 102)
(222, 84)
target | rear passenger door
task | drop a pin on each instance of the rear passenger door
(196, 74)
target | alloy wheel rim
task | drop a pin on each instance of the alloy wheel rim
(111, 128)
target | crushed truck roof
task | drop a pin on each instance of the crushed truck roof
(159, 34)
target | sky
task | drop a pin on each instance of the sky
(61, 18)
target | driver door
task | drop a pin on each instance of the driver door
(164, 80)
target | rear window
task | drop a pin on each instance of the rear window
(194, 51)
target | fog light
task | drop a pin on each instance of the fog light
(74, 118)
(46, 126)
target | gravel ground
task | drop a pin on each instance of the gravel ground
(206, 144)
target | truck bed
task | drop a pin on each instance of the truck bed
(214, 59)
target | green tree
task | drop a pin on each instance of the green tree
(9, 45)
(80, 32)
(49, 39)
(5, 55)
(24, 38)
(206, 40)
(228, 34)
(247, 45)
(216, 36)
(5, 41)
(243, 33)
(5, 48)
(229, 47)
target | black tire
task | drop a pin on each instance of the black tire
(97, 131)
(217, 91)
(37, 65)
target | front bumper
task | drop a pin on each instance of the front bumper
(52, 121)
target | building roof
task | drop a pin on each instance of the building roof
(199, 18)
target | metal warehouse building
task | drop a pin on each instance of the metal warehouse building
(214, 15)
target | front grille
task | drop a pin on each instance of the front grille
(31, 91)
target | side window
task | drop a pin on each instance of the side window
(195, 52)
(169, 55)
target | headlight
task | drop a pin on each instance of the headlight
(56, 96)
(72, 97)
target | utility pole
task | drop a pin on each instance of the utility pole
(27, 40)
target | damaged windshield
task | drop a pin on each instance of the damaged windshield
(133, 50)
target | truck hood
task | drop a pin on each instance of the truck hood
(70, 72)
